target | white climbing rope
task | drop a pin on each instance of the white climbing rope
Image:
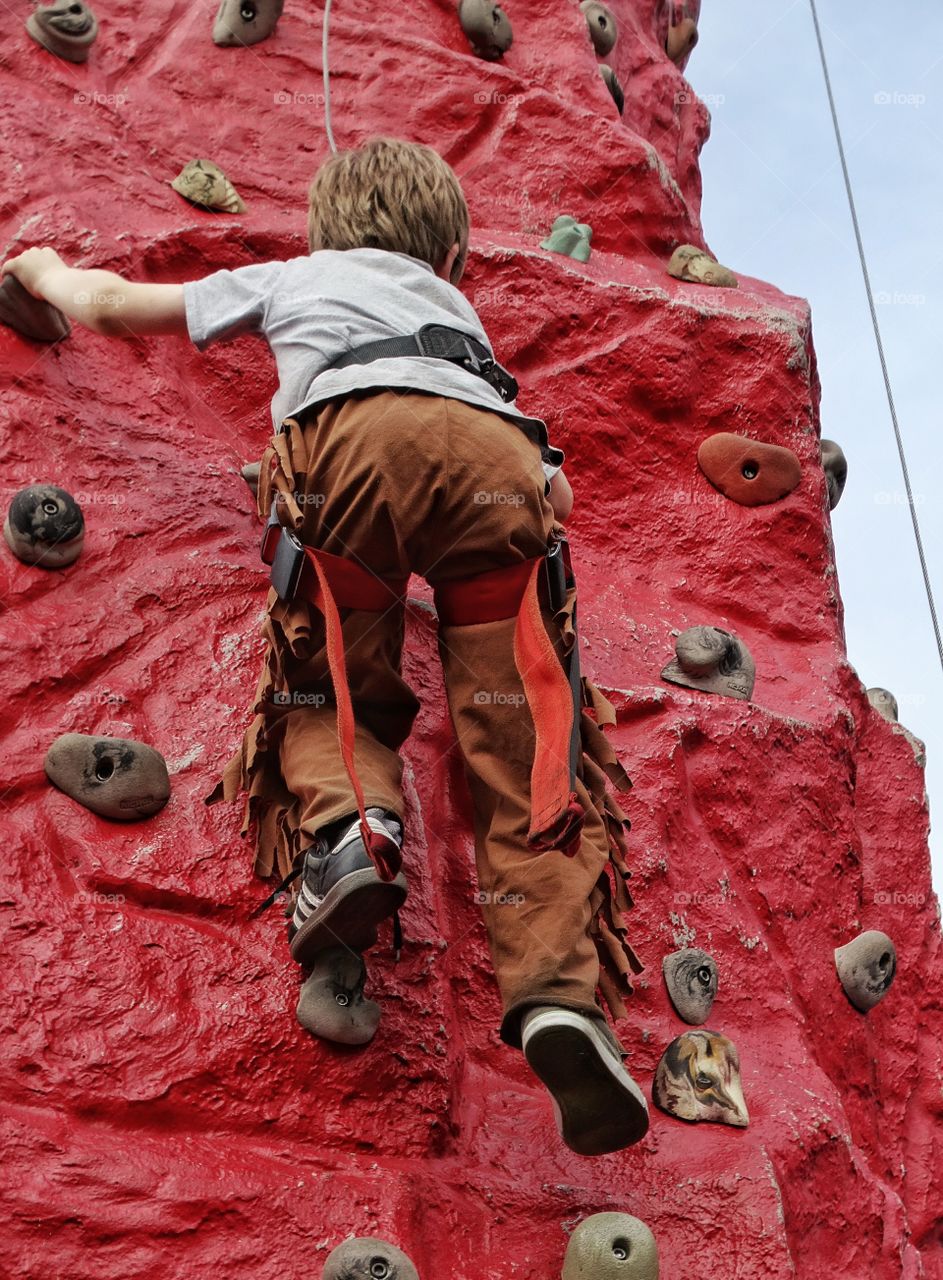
(877, 334)
(326, 72)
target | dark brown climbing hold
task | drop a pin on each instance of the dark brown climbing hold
(114, 777)
(45, 527)
(692, 980)
(748, 471)
(682, 37)
(30, 316)
(245, 22)
(603, 29)
(67, 29)
(488, 28)
(332, 1004)
(368, 1259)
(836, 471)
(713, 661)
(613, 85)
(866, 968)
(698, 1078)
(611, 1246)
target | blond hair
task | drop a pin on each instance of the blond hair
(387, 194)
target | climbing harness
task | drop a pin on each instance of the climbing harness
(442, 343)
(877, 333)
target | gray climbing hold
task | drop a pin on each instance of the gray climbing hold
(613, 85)
(245, 22)
(30, 316)
(67, 29)
(866, 968)
(698, 1078)
(569, 237)
(367, 1258)
(250, 473)
(488, 28)
(836, 471)
(692, 979)
(45, 526)
(603, 29)
(697, 266)
(713, 661)
(611, 1246)
(332, 1004)
(203, 183)
(114, 777)
(884, 702)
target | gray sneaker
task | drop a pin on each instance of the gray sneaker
(598, 1106)
(342, 898)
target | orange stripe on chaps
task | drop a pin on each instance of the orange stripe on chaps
(556, 814)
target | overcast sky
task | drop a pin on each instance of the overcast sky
(775, 208)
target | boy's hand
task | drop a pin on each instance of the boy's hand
(31, 266)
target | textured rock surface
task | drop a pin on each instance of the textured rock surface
(163, 1113)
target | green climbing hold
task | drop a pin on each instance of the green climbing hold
(569, 237)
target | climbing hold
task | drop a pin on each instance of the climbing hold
(884, 702)
(692, 979)
(697, 266)
(866, 968)
(836, 471)
(45, 527)
(681, 29)
(250, 473)
(487, 26)
(113, 777)
(611, 1246)
(748, 471)
(30, 316)
(367, 1258)
(713, 661)
(67, 29)
(603, 29)
(204, 183)
(613, 85)
(244, 22)
(332, 1003)
(698, 1078)
(570, 238)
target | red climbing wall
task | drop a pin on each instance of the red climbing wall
(163, 1114)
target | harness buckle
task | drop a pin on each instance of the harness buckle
(287, 564)
(270, 537)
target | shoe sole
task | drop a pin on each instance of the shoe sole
(349, 914)
(599, 1107)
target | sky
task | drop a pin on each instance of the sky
(775, 208)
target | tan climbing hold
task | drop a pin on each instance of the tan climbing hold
(114, 777)
(749, 471)
(713, 661)
(697, 266)
(367, 1258)
(611, 1246)
(488, 28)
(884, 702)
(698, 1078)
(29, 316)
(332, 1004)
(245, 22)
(203, 183)
(45, 527)
(603, 28)
(835, 465)
(67, 29)
(692, 979)
(866, 967)
(613, 85)
(682, 37)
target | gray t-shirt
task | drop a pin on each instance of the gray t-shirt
(313, 310)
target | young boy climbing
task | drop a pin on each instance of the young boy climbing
(399, 450)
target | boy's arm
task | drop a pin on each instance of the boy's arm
(101, 300)
(561, 497)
